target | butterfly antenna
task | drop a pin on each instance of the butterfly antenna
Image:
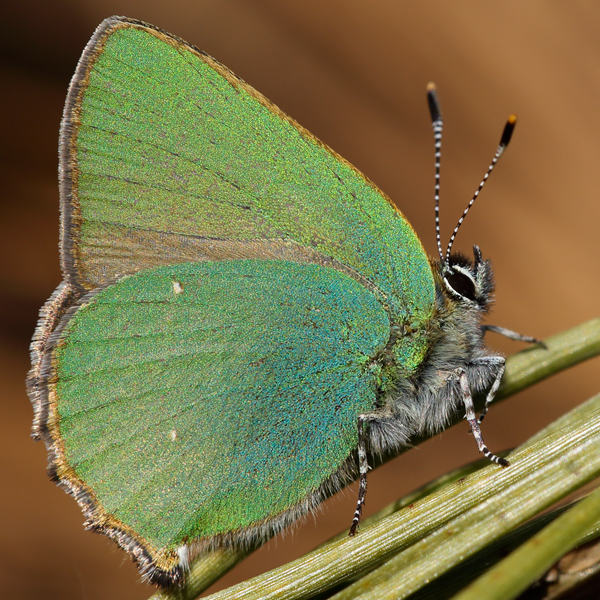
(504, 140)
(438, 125)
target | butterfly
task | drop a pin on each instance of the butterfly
(244, 316)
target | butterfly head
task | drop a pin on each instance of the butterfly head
(468, 281)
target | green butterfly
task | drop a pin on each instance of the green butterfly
(242, 315)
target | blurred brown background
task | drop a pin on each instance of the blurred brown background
(354, 73)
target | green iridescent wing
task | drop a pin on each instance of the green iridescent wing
(202, 399)
(164, 151)
(230, 287)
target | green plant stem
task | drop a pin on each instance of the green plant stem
(564, 350)
(454, 580)
(518, 571)
(540, 474)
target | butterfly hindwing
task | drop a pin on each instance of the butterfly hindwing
(198, 399)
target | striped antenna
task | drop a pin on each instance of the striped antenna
(504, 140)
(438, 125)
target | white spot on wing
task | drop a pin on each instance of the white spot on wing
(173, 435)
(177, 287)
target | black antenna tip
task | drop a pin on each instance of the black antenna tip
(432, 101)
(508, 130)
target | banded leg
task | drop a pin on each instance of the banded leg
(363, 468)
(501, 364)
(470, 410)
(513, 335)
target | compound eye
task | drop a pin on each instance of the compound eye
(461, 284)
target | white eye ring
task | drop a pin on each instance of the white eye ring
(467, 273)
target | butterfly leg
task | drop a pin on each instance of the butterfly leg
(471, 417)
(363, 469)
(500, 364)
(512, 335)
